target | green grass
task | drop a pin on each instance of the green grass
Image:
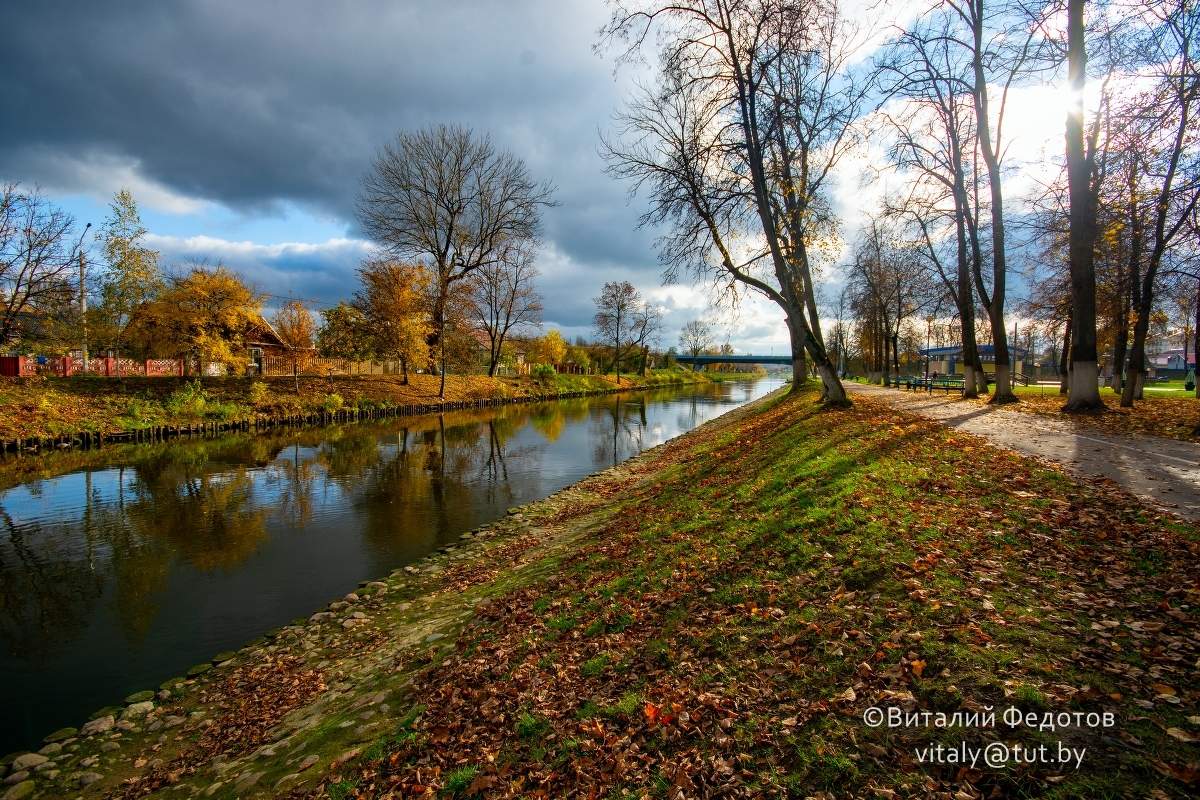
(1152, 390)
(769, 566)
(458, 780)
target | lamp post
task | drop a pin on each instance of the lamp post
(928, 332)
(83, 299)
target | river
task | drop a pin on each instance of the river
(125, 571)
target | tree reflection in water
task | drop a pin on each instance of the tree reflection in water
(119, 555)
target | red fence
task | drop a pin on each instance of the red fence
(29, 366)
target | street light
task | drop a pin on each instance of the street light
(928, 333)
(83, 299)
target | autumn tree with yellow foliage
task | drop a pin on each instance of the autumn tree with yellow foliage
(204, 314)
(394, 301)
(550, 348)
(296, 329)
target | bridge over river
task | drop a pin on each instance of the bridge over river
(719, 359)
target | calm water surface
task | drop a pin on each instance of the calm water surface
(122, 573)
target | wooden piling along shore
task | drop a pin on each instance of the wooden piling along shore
(87, 440)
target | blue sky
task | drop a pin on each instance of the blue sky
(243, 130)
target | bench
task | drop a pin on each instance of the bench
(929, 384)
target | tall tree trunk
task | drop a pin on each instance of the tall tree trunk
(1137, 358)
(1084, 389)
(833, 392)
(1196, 342)
(995, 304)
(442, 365)
(1064, 360)
(799, 363)
(1121, 335)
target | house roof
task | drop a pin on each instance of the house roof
(956, 350)
(263, 332)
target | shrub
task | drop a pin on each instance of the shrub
(258, 393)
(224, 411)
(543, 373)
(189, 400)
(332, 402)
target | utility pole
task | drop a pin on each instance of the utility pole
(83, 299)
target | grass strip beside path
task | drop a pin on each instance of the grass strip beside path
(743, 594)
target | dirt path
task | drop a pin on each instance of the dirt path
(1164, 472)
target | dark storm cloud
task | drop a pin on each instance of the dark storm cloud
(252, 104)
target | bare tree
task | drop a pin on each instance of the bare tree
(696, 337)
(38, 254)
(889, 284)
(1167, 121)
(755, 105)
(447, 197)
(647, 325)
(503, 297)
(616, 311)
(1083, 392)
(933, 139)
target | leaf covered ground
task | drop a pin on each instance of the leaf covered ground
(1171, 417)
(743, 595)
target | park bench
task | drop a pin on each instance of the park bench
(929, 384)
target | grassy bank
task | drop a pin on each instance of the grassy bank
(41, 407)
(714, 618)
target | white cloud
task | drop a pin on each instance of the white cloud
(100, 176)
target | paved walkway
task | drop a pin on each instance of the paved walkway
(1164, 472)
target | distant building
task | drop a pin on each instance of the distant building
(948, 360)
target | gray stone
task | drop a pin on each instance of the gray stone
(61, 735)
(99, 725)
(137, 710)
(51, 749)
(16, 777)
(20, 791)
(246, 781)
(351, 598)
(213, 789)
(107, 711)
(287, 781)
(28, 761)
(433, 637)
(308, 761)
(88, 778)
(51, 774)
(90, 761)
(126, 725)
(338, 605)
(109, 747)
(199, 669)
(173, 720)
(139, 697)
